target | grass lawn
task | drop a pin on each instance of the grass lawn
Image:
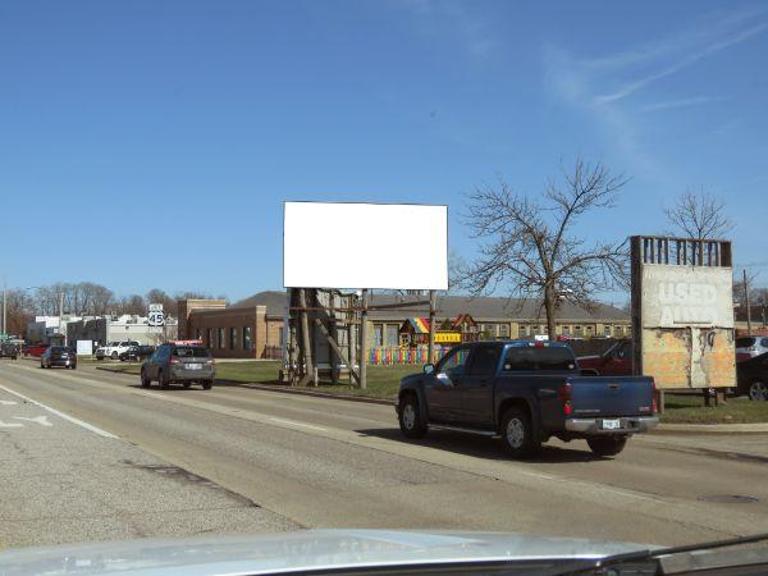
(690, 409)
(383, 383)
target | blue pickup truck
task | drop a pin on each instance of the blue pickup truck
(526, 392)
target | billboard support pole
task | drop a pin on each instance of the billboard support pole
(746, 301)
(363, 341)
(431, 347)
(306, 344)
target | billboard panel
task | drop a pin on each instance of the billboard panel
(682, 312)
(359, 245)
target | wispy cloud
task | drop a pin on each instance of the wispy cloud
(610, 78)
(607, 86)
(463, 22)
(681, 103)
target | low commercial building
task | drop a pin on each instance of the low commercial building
(103, 329)
(253, 328)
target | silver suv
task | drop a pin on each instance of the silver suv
(179, 363)
(750, 346)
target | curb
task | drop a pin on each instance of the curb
(754, 428)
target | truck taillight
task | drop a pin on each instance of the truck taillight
(174, 360)
(654, 405)
(564, 393)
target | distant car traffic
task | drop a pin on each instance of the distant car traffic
(136, 353)
(750, 346)
(752, 377)
(616, 361)
(35, 350)
(185, 364)
(114, 349)
(61, 356)
(9, 350)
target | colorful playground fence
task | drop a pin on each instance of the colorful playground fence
(388, 356)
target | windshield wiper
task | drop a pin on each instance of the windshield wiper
(641, 556)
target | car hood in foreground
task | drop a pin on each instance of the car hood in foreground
(296, 551)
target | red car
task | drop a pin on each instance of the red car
(35, 350)
(616, 361)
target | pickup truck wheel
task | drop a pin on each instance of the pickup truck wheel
(186, 384)
(113, 356)
(517, 433)
(207, 384)
(412, 424)
(608, 445)
(145, 381)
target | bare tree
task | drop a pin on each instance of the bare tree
(133, 304)
(529, 246)
(699, 215)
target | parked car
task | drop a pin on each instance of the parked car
(114, 349)
(750, 346)
(526, 392)
(185, 364)
(9, 350)
(616, 361)
(35, 350)
(752, 377)
(136, 353)
(62, 356)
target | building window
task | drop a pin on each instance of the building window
(281, 336)
(393, 338)
(199, 334)
(209, 338)
(232, 338)
(627, 330)
(577, 331)
(618, 331)
(378, 334)
(607, 331)
(566, 330)
(247, 342)
(590, 331)
(221, 338)
(504, 330)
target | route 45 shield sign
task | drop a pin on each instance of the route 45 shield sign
(156, 316)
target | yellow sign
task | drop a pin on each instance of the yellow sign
(447, 337)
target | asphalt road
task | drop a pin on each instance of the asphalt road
(315, 462)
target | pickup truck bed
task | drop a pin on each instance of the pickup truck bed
(526, 393)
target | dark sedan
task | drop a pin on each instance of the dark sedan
(752, 377)
(61, 356)
(136, 353)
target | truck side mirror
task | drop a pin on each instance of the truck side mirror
(428, 368)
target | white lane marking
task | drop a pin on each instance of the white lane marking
(295, 423)
(67, 417)
(8, 403)
(42, 420)
(10, 425)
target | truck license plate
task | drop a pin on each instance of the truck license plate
(194, 366)
(614, 424)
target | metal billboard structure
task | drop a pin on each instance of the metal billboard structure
(682, 312)
(332, 257)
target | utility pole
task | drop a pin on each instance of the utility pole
(363, 341)
(61, 314)
(431, 346)
(746, 299)
(5, 317)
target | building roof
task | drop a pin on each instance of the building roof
(491, 308)
(274, 300)
(481, 308)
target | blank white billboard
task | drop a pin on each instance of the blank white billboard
(357, 245)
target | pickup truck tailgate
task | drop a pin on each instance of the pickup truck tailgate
(593, 396)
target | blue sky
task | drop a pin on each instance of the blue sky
(151, 144)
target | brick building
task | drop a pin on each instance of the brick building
(253, 328)
(250, 328)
